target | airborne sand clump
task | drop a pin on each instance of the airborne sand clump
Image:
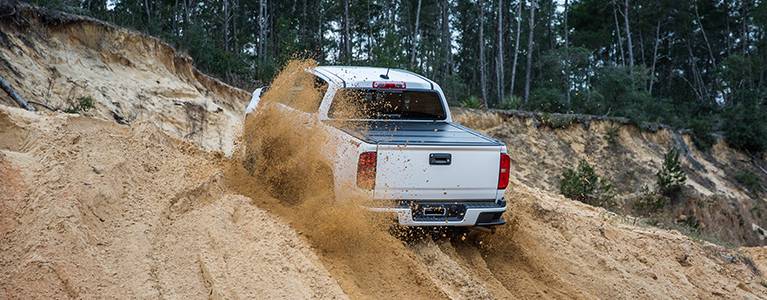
(93, 209)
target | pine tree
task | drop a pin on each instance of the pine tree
(671, 177)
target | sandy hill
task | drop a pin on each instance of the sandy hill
(137, 198)
(544, 145)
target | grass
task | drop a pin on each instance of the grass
(695, 233)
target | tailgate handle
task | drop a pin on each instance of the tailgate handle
(440, 159)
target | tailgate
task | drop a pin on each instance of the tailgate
(437, 172)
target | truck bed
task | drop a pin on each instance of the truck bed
(414, 133)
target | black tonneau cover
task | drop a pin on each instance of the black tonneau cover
(414, 133)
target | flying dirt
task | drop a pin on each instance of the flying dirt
(164, 189)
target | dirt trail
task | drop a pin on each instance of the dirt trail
(92, 208)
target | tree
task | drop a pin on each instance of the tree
(262, 30)
(414, 45)
(530, 45)
(567, 54)
(446, 38)
(499, 59)
(347, 40)
(482, 72)
(518, 32)
(671, 176)
(630, 45)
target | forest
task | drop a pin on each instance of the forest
(695, 65)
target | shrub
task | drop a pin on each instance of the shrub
(611, 136)
(510, 102)
(750, 181)
(671, 177)
(700, 129)
(471, 102)
(745, 127)
(546, 100)
(690, 222)
(83, 104)
(86, 103)
(650, 201)
(584, 185)
(556, 121)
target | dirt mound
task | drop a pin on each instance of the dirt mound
(543, 145)
(57, 60)
(567, 248)
(100, 209)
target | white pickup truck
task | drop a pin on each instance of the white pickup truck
(404, 151)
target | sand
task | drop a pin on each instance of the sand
(93, 207)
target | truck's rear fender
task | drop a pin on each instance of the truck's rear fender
(343, 152)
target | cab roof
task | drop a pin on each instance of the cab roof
(363, 77)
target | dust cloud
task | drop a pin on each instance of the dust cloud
(281, 166)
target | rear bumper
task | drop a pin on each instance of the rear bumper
(469, 213)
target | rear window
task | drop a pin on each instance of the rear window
(386, 104)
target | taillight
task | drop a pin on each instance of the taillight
(389, 85)
(366, 170)
(503, 171)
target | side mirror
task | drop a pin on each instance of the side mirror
(255, 98)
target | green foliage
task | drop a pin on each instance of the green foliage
(584, 185)
(471, 102)
(650, 201)
(510, 102)
(671, 176)
(612, 136)
(745, 127)
(556, 121)
(700, 129)
(750, 181)
(548, 100)
(83, 104)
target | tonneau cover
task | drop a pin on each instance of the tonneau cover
(414, 133)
